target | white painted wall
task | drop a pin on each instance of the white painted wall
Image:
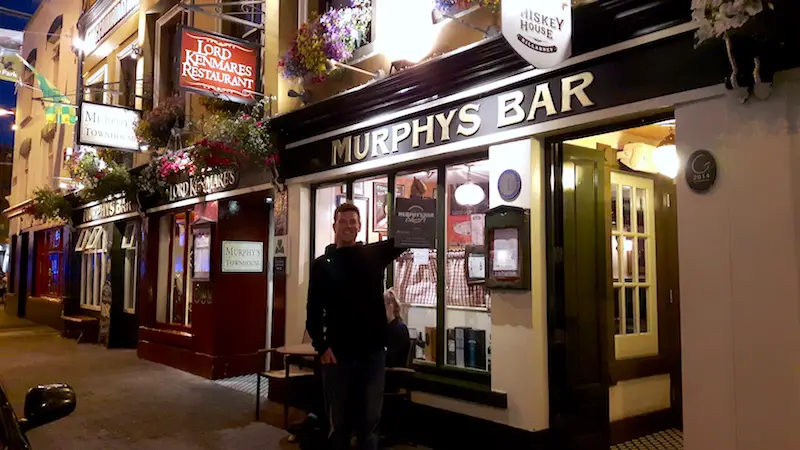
(638, 396)
(298, 262)
(740, 275)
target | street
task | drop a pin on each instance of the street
(124, 402)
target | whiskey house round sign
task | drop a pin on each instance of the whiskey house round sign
(221, 66)
(539, 31)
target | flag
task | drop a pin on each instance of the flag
(10, 66)
(59, 109)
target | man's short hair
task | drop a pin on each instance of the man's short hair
(346, 207)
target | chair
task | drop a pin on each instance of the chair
(304, 369)
(399, 383)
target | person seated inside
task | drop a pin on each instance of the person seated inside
(397, 338)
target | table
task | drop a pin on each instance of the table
(297, 350)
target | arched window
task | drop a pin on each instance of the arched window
(54, 33)
(28, 74)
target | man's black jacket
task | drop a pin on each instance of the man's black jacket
(345, 309)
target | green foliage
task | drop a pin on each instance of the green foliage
(48, 204)
(155, 127)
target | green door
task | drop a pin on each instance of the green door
(579, 308)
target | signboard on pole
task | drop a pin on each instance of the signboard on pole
(218, 66)
(108, 126)
(540, 32)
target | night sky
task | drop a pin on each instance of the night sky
(8, 97)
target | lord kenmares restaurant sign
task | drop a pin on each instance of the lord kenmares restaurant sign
(218, 66)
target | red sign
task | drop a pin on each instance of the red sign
(218, 66)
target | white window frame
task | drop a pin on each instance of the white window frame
(93, 276)
(130, 246)
(637, 344)
(80, 243)
(100, 74)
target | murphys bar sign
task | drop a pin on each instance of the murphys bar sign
(467, 120)
(108, 209)
(218, 66)
(203, 184)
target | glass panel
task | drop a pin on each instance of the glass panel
(615, 257)
(415, 273)
(372, 198)
(643, 309)
(616, 311)
(467, 320)
(629, 312)
(327, 199)
(614, 189)
(627, 264)
(641, 199)
(642, 255)
(626, 208)
(178, 269)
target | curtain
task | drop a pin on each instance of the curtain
(415, 284)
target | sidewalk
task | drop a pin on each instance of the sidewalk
(8, 321)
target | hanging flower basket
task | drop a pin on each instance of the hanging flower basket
(155, 128)
(755, 19)
(334, 35)
(99, 175)
(49, 204)
(449, 6)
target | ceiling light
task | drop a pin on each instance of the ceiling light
(665, 156)
(469, 193)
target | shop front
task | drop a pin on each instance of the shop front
(588, 353)
(205, 290)
(38, 275)
(106, 266)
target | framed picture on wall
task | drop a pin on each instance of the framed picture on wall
(380, 207)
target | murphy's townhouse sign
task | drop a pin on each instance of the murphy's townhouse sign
(540, 31)
(203, 184)
(525, 105)
(108, 209)
(218, 66)
(108, 126)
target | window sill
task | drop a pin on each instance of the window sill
(90, 307)
(129, 311)
(461, 390)
(48, 298)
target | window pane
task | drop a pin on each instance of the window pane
(643, 309)
(615, 257)
(178, 271)
(614, 189)
(327, 199)
(627, 261)
(415, 276)
(626, 208)
(642, 255)
(467, 320)
(616, 301)
(641, 198)
(629, 312)
(372, 198)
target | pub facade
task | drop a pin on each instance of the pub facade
(578, 319)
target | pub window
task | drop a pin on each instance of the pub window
(96, 86)
(130, 246)
(633, 266)
(167, 52)
(174, 299)
(443, 299)
(91, 244)
(127, 82)
(27, 77)
(49, 263)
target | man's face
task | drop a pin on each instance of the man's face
(346, 227)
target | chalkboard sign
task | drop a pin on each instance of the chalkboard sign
(105, 313)
(701, 171)
(415, 223)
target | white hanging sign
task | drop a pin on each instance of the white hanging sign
(540, 31)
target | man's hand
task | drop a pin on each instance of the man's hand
(327, 357)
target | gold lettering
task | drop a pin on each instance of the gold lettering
(341, 148)
(400, 133)
(466, 117)
(567, 90)
(379, 141)
(416, 129)
(542, 97)
(510, 102)
(360, 152)
(444, 122)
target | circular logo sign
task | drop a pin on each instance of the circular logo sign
(509, 185)
(701, 171)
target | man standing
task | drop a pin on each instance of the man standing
(346, 320)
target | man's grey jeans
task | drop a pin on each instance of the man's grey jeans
(354, 399)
